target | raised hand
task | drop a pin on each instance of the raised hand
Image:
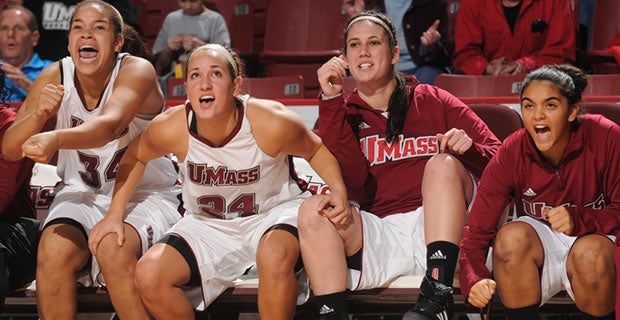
(49, 100)
(331, 75)
(354, 7)
(430, 37)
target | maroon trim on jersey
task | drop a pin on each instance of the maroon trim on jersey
(78, 86)
(193, 126)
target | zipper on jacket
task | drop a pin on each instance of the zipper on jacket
(557, 174)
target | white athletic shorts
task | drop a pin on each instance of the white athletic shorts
(152, 213)
(393, 246)
(556, 246)
(225, 249)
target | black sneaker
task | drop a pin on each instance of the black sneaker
(434, 303)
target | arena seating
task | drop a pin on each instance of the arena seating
(247, 26)
(605, 26)
(502, 120)
(293, 42)
(277, 87)
(480, 86)
(610, 110)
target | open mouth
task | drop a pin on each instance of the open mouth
(206, 99)
(365, 66)
(542, 131)
(87, 52)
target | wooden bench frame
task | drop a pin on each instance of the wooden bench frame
(399, 296)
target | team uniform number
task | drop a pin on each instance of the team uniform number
(244, 205)
(91, 163)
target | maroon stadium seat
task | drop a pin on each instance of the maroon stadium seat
(501, 119)
(480, 86)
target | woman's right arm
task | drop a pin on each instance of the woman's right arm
(164, 135)
(42, 102)
(494, 194)
(335, 131)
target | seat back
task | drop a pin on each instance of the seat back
(247, 27)
(225, 7)
(480, 86)
(605, 23)
(605, 26)
(279, 87)
(175, 89)
(300, 36)
(610, 110)
(502, 120)
(603, 85)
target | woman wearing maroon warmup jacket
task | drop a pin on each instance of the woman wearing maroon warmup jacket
(563, 174)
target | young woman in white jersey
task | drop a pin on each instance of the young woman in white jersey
(101, 99)
(239, 189)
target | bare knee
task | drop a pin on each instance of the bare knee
(591, 260)
(514, 244)
(115, 259)
(54, 255)
(446, 173)
(147, 276)
(444, 166)
(308, 218)
(277, 254)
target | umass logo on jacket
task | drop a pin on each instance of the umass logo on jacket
(378, 151)
(536, 209)
(56, 16)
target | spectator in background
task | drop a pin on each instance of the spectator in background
(19, 229)
(500, 37)
(422, 30)
(54, 16)
(19, 35)
(185, 29)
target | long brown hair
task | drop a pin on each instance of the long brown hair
(399, 100)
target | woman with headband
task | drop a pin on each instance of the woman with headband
(410, 155)
(563, 174)
(101, 98)
(239, 191)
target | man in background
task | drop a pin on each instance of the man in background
(19, 35)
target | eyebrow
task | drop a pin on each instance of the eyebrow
(96, 21)
(371, 37)
(546, 100)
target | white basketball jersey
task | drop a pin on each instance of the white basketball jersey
(95, 169)
(237, 179)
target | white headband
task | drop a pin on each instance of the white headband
(375, 20)
(223, 51)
